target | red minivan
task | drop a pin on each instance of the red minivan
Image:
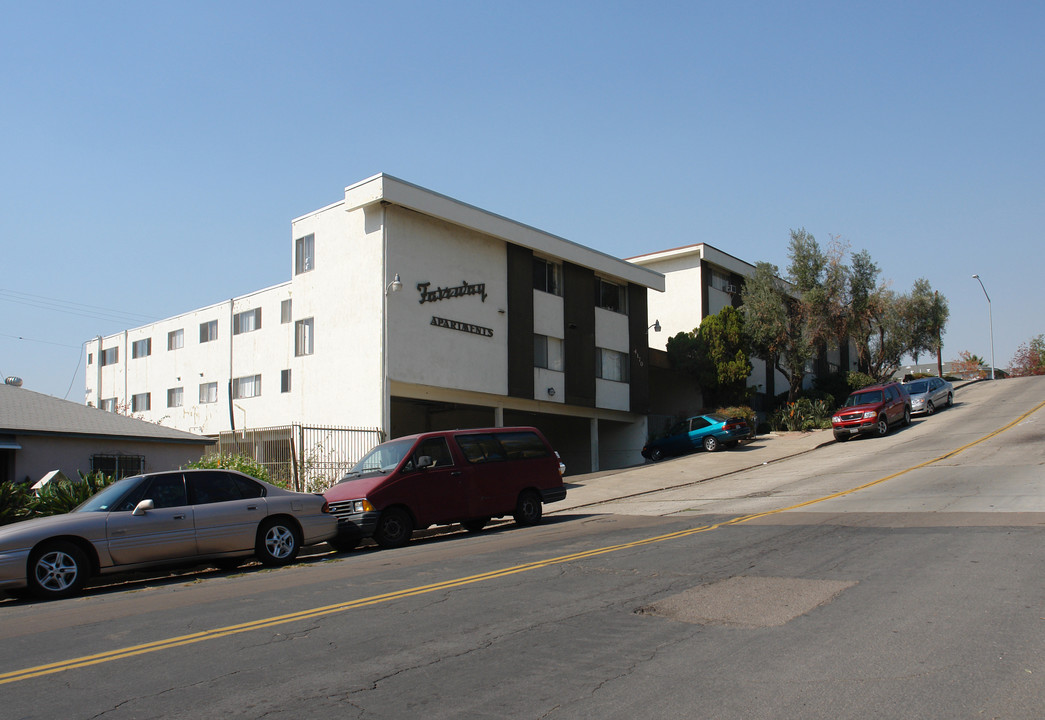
(439, 478)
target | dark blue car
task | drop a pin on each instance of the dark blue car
(710, 431)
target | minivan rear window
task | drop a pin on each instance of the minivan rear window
(490, 447)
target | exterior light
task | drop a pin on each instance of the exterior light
(395, 286)
(655, 326)
(990, 320)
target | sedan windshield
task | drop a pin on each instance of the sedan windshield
(381, 459)
(864, 398)
(107, 498)
(917, 388)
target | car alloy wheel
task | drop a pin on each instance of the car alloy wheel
(711, 443)
(278, 542)
(57, 570)
(930, 408)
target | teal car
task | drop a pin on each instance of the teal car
(711, 432)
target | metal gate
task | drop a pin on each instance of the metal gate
(303, 457)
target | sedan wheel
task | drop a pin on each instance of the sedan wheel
(57, 570)
(950, 399)
(711, 443)
(278, 542)
(656, 455)
(930, 408)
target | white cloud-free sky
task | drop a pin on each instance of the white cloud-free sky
(154, 154)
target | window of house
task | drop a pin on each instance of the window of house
(284, 381)
(246, 387)
(90, 358)
(611, 296)
(175, 397)
(108, 404)
(303, 337)
(611, 365)
(304, 254)
(246, 321)
(176, 339)
(208, 331)
(208, 393)
(284, 312)
(547, 276)
(110, 356)
(118, 466)
(547, 352)
(141, 348)
(141, 402)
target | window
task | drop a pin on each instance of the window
(284, 312)
(141, 348)
(546, 276)
(90, 358)
(435, 448)
(611, 365)
(303, 332)
(108, 404)
(611, 296)
(547, 352)
(118, 466)
(212, 486)
(246, 387)
(284, 381)
(166, 491)
(175, 397)
(480, 448)
(111, 356)
(522, 445)
(208, 393)
(208, 331)
(141, 402)
(176, 339)
(304, 254)
(247, 321)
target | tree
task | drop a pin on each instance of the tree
(1029, 358)
(968, 365)
(775, 324)
(716, 354)
(927, 314)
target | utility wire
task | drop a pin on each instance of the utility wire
(74, 308)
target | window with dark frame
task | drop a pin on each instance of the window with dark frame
(546, 276)
(246, 321)
(209, 331)
(304, 253)
(612, 296)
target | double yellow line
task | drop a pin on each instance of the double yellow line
(145, 648)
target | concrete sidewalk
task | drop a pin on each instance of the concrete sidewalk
(584, 491)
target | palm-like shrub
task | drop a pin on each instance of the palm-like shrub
(62, 496)
(14, 502)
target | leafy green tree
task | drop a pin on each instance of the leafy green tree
(242, 463)
(776, 325)
(927, 314)
(716, 355)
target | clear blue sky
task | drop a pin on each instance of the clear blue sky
(154, 154)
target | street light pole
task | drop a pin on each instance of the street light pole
(990, 320)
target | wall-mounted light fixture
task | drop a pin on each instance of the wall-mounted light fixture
(655, 326)
(395, 286)
(551, 392)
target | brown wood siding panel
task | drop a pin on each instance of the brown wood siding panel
(520, 322)
(578, 295)
(638, 336)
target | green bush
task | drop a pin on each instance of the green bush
(241, 463)
(803, 414)
(62, 496)
(859, 380)
(14, 502)
(741, 411)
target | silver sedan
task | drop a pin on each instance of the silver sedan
(159, 518)
(929, 395)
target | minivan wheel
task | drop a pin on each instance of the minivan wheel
(394, 528)
(528, 508)
(882, 429)
(57, 570)
(278, 542)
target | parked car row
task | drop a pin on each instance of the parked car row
(875, 409)
(224, 517)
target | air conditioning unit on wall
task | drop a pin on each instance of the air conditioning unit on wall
(731, 288)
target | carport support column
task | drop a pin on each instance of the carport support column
(594, 434)
(498, 416)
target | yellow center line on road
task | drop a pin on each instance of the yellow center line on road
(134, 650)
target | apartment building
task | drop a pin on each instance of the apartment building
(407, 310)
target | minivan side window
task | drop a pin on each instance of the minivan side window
(480, 448)
(522, 445)
(437, 449)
